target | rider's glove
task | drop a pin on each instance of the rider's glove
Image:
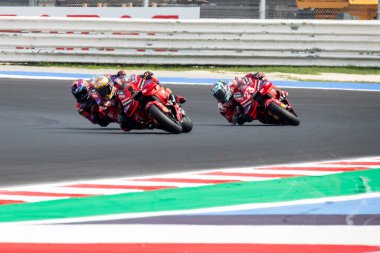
(259, 75)
(147, 75)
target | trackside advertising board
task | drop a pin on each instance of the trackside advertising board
(104, 12)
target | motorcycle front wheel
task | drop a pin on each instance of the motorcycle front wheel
(187, 124)
(284, 116)
(164, 121)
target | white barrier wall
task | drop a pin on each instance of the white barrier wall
(195, 42)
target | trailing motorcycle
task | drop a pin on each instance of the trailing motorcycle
(261, 102)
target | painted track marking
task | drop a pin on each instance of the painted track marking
(86, 188)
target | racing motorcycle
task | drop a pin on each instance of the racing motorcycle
(152, 104)
(260, 102)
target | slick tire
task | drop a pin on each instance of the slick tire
(187, 124)
(166, 123)
(285, 117)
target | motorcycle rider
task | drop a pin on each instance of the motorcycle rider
(147, 75)
(229, 108)
(109, 95)
(86, 105)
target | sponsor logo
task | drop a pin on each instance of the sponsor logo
(127, 102)
(237, 95)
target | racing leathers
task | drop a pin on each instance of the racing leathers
(90, 110)
(233, 112)
(86, 105)
(112, 104)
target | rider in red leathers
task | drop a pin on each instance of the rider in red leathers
(86, 105)
(229, 108)
(139, 81)
(147, 75)
(108, 92)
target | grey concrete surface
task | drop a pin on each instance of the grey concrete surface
(248, 220)
(43, 138)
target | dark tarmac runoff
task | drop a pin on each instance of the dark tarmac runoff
(43, 139)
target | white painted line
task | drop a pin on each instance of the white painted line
(285, 172)
(27, 198)
(49, 77)
(37, 77)
(197, 176)
(72, 190)
(152, 183)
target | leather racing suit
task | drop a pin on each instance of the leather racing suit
(231, 109)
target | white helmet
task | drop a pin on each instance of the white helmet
(221, 91)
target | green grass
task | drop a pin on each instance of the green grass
(266, 69)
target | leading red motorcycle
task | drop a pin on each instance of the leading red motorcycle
(151, 104)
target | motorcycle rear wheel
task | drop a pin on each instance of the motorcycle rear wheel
(284, 116)
(187, 124)
(164, 121)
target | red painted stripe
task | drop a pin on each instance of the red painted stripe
(165, 17)
(110, 186)
(180, 248)
(43, 194)
(221, 173)
(355, 163)
(188, 180)
(332, 169)
(6, 202)
(10, 31)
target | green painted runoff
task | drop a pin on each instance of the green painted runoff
(287, 189)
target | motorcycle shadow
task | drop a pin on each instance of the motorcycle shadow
(91, 128)
(245, 125)
(147, 133)
(115, 130)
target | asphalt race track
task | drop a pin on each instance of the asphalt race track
(43, 138)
